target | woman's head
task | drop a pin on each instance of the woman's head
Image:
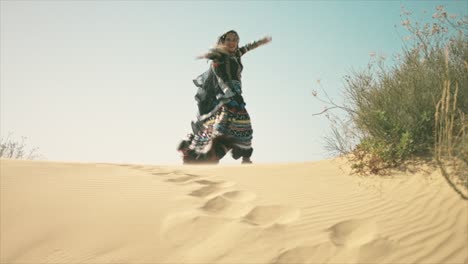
(230, 40)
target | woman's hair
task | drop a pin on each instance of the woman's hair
(223, 36)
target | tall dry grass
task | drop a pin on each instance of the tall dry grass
(451, 137)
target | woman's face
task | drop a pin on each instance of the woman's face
(231, 41)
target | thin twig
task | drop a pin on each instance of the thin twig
(450, 183)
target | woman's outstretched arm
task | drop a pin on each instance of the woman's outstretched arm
(214, 53)
(254, 45)
(219, 50)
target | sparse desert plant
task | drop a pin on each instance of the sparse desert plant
(12, 148)
(391, 111)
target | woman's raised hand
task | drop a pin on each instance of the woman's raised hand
(265, 40)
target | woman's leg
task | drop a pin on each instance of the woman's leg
(244, 153)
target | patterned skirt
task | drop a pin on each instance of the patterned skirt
(228, 129)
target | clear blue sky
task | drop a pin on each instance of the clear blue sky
(111, 81)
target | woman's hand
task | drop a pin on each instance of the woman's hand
(265, 40)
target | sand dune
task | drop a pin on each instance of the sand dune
(268, 213)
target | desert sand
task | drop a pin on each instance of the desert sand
(312, 212)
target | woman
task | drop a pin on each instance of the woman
(222, 123)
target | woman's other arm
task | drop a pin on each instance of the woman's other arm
(254, 45)
(214, 54)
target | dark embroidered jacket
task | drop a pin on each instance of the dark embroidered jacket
(221, 83)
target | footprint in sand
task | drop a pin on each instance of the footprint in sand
(130, 166)
(231, 204)
(272, 214)
(240, 196)
(376, 250)
(163, 173)
(353, 233)
(137, 167)
(205, 182)
(320, 253)
(183, 179)
(372, 252)
(211, 189)
(160, 172)
(188, 230)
